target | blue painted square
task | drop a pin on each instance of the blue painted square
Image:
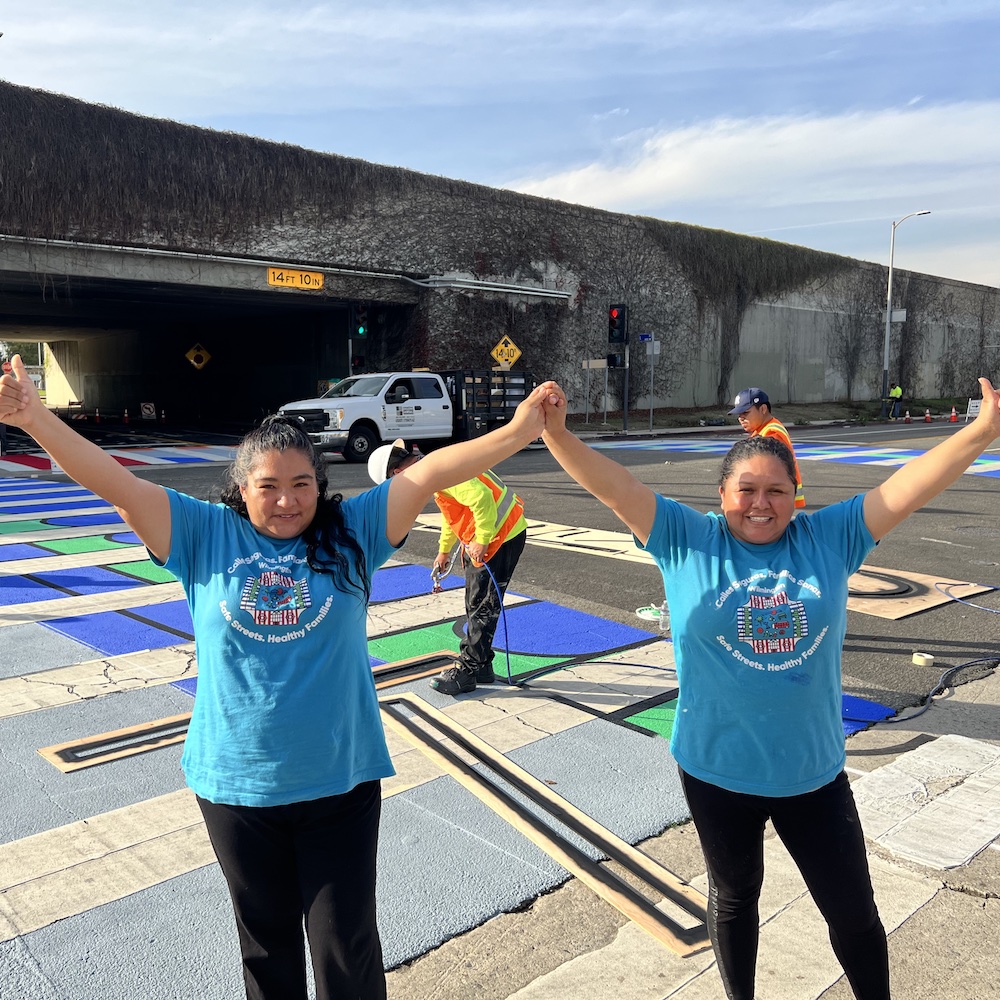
(189, 685)
(45, 508)
(125, 538)
(172, 614)
(859, 713)
(111, 633)
(395, 583)
(89, 580)
(550, 630)
(20, 590)
(21, 551)
(83, 520)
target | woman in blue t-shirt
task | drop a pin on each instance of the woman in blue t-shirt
(758, 615)
(286, 748)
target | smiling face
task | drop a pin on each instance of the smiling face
(758, 499)
(281, 493)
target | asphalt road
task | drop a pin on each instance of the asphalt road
(955, 537)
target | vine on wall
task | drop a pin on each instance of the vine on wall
(731, 271)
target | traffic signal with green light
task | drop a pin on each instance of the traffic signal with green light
(359, 321)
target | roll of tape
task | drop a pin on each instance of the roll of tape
(923, 660)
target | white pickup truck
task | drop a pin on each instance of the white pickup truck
(359, 413)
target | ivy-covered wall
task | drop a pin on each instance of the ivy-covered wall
(729, 310)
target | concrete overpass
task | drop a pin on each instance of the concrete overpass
(135, 244)
(120, 323)
(203, 337)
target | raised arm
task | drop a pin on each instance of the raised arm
(143, 505)
(633, 502)
(925, 476)
(410, 489)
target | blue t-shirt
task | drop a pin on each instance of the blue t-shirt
(286, 708)
(758, 632)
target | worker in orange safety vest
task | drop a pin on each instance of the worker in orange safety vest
(486, 518)
(753, 410)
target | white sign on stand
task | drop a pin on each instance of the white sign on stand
(652, 351)
(595, 363)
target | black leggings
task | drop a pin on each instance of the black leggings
(823, 835)
(314, 860)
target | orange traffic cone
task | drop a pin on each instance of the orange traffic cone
(954, 416)
(927, 416)
(907, 419)
(125, 418)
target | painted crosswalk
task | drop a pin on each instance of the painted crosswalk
(804, 452)
(79, 582)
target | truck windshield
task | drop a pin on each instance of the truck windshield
(363, 385)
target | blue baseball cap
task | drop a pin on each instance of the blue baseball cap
(746, 398)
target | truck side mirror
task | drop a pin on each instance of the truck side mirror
(397, 395)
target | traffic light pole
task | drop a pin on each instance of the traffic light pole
(625, 393)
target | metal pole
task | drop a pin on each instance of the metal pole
(625, 395)
(652, 360)
(888, 312)
(605, 395)
(586, 404)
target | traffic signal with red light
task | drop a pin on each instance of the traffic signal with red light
(618, 324)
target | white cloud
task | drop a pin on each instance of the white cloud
(801, 160)
(832, 182)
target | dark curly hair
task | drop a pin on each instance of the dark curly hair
(757, 444)
(328, 536)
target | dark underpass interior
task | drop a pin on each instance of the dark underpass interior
(138, 343)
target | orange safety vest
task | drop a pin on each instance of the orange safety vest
(776, 429)
(510, 513)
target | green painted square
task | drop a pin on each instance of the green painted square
(421, 641)
(16, 527)
(144, 570)
(68, 546)
(659, 720)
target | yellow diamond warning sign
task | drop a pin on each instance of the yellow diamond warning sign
(198, 356)
(506, 352)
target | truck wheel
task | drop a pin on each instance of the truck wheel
(361, 442)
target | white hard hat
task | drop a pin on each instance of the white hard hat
(384, 459)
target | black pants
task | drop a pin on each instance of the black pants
(483, 604)
(823, 835)
(314, 860)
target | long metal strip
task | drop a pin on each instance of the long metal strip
(628, 900)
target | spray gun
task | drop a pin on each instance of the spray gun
(437, 575)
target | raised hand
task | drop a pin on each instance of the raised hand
(554, 407)
(989, 412)
(19, 399)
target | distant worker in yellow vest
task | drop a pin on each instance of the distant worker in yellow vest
(895, 400)
(753, 410)
(487, 518)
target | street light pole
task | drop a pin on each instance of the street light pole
(888, 309)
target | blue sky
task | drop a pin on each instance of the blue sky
(815, 123)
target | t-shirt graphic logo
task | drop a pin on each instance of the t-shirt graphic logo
(772, 623)
(274, 598)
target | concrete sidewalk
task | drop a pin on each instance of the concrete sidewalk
(943, 923)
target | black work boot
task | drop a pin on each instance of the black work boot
(454, 680)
